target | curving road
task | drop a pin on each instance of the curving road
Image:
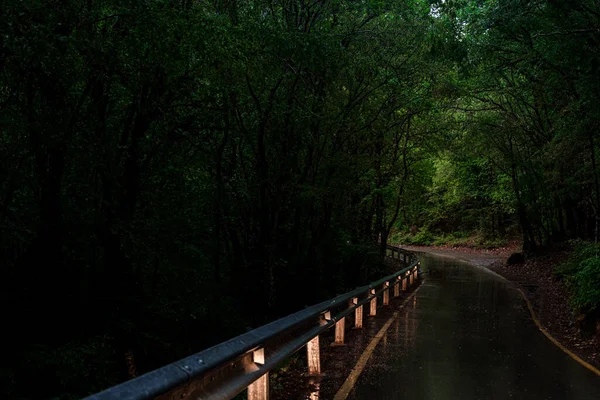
(468, 335)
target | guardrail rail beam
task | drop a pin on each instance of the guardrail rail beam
(243, 363)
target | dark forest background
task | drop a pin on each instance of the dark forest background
(174, 173)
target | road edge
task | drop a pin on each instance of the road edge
(532, 313)
(550, 337)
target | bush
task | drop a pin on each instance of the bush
(494, 243)
(425, 237)
(586, 285)
(581, 251)
(582, 274)
(421, 238)
(452, 239)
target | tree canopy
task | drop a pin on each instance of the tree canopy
(175, 172)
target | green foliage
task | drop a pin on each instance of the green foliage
(465, 193)
(586, 285)
(160, 157)
(421, 238)
(424, 237)
(519, 104)
(582, 273)
(582, 251)
(172, 167)
(494, 243)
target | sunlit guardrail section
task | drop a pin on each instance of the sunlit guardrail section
(244, 362)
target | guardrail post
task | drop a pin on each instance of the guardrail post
(373, 310)
(314, 356)
(386, 294)
(404, 258)
(358, 314)
(259, 389)
(240, 363)
(340, 328)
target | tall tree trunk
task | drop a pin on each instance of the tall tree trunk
(528, 239)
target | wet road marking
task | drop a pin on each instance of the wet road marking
(348, 385)
(551, 338)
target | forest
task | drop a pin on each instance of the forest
(174, 173)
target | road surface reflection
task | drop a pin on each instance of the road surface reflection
(467, 335)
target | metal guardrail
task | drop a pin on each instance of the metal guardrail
(224, 370)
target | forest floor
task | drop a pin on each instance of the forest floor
(548, 295)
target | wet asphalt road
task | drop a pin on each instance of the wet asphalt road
(468, 335)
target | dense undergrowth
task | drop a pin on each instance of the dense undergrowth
(582, 274)
(475, 240)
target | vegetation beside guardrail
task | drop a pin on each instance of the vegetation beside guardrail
(224, 370)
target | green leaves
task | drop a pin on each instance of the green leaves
(582, 272)
(223, 149)
(168, 155)
(586, 285)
